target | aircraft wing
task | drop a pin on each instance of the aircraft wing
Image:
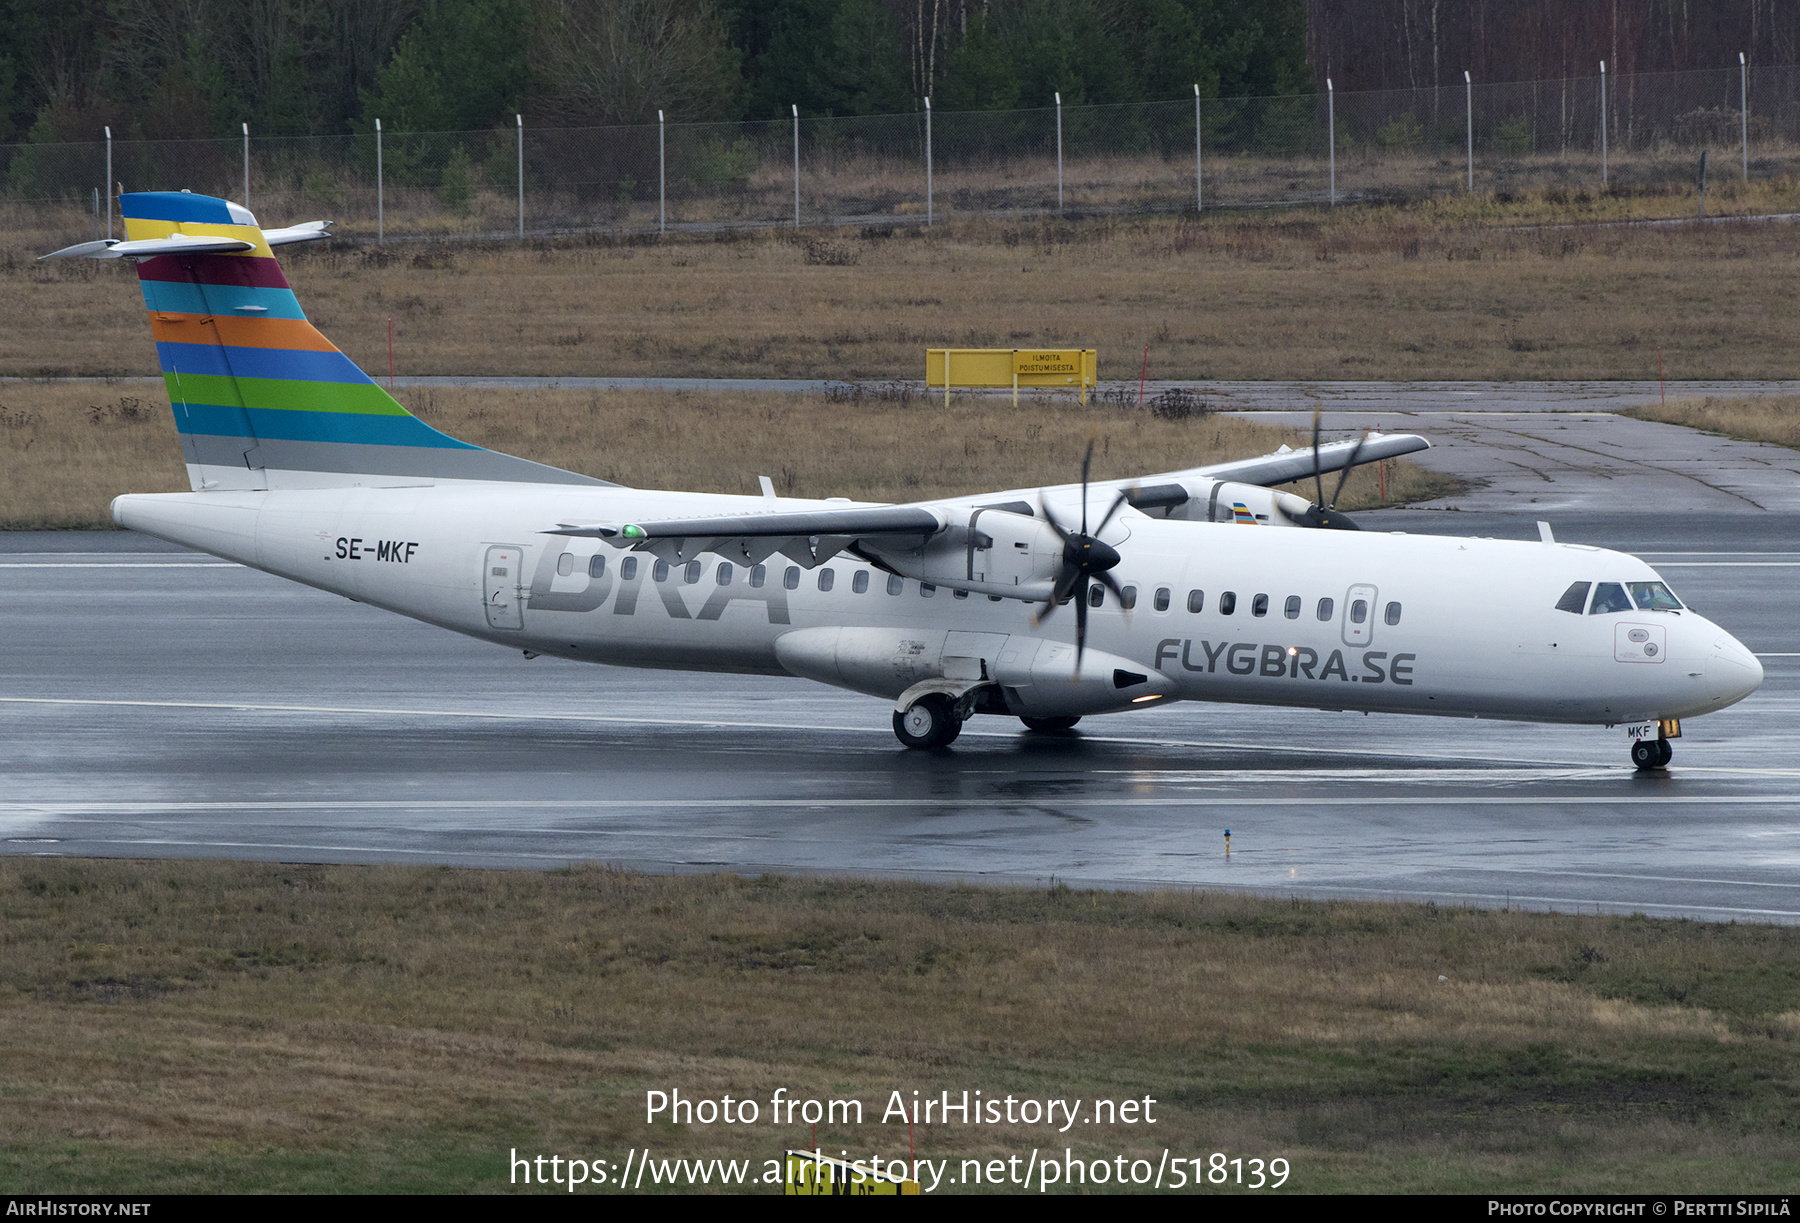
(1285, 464)
(806, 536)
(1170, 489)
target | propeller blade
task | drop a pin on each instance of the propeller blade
(1061, 532)
(1107, 580)
(1349, 466)
(1087, 461)
(1081, 610)
(1120, 500)
(1318, 480)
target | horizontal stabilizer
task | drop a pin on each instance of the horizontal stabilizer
(150, 248)
(306, 231)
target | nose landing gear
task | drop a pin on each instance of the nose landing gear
(1649, 754)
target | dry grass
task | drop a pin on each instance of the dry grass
(1774, 419)
(1448, 289)
(66, 449)
(207, 1025)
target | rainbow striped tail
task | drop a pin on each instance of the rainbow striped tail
(261, 398)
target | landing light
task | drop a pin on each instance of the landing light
(1293, 650)
(1139, 700)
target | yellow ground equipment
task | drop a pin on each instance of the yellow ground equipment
(811, 1174)
(1067, 368)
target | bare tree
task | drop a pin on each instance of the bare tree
(619, 61)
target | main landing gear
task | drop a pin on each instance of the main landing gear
(1650, 754)
(1049, 723)
(930, 721)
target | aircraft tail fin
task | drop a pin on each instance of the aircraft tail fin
(261, 398)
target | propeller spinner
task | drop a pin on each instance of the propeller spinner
(1085, 558)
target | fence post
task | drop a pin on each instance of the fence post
(380, 211)
(520, 120)
(246, 165)
(109, 182)
(1331, 135)
(1603, 123)
(928, 175)
(1469, 124)
(662, 180)
(1744, 108)
(1059, 172)
(796, 109)
(1199, 194)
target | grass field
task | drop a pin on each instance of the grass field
(1461, 288)
(176, 1026)
(67, 449)
(1774, 419)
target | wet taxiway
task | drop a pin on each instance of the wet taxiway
(157, 702)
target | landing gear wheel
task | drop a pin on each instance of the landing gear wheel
(1049, 723)
(930, 721)
(1649, 754)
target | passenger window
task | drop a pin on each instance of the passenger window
(628, 569)
(1228, 603)
(1575, 597)
(826, 578)
(1096, 595)
(1326, 608)
(860, 583)
(596, 566)
(659, 572)
(1161, 602)
(1196, 601)
(1259, 606)
(565, 564)
(758, 575)
(724, 573)
(896, 583)
(791, 579)
(926, 590)
(1359, 611)
(1128, 597)
(691, 573)
(1291, 609)
(1392, 615)
(959, 594)
(1654, 596)
(1609, 597)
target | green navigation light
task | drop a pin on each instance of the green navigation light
(633, 531)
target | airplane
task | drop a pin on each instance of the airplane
(1204, 584)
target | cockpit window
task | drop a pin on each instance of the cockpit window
(1574, 599)
(1654, 596)
(1609, 597)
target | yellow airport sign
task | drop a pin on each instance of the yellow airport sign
(1069, 368)
(810, 1174)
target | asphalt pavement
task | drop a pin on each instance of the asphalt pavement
(156, 702)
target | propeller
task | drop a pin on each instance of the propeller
(1323, 513)
(1085, 558)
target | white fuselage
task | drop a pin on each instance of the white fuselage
(1457, 627)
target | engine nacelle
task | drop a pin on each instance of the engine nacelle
(984, 551)
(1224, 501)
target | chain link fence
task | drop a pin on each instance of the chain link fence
(1636, 133)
